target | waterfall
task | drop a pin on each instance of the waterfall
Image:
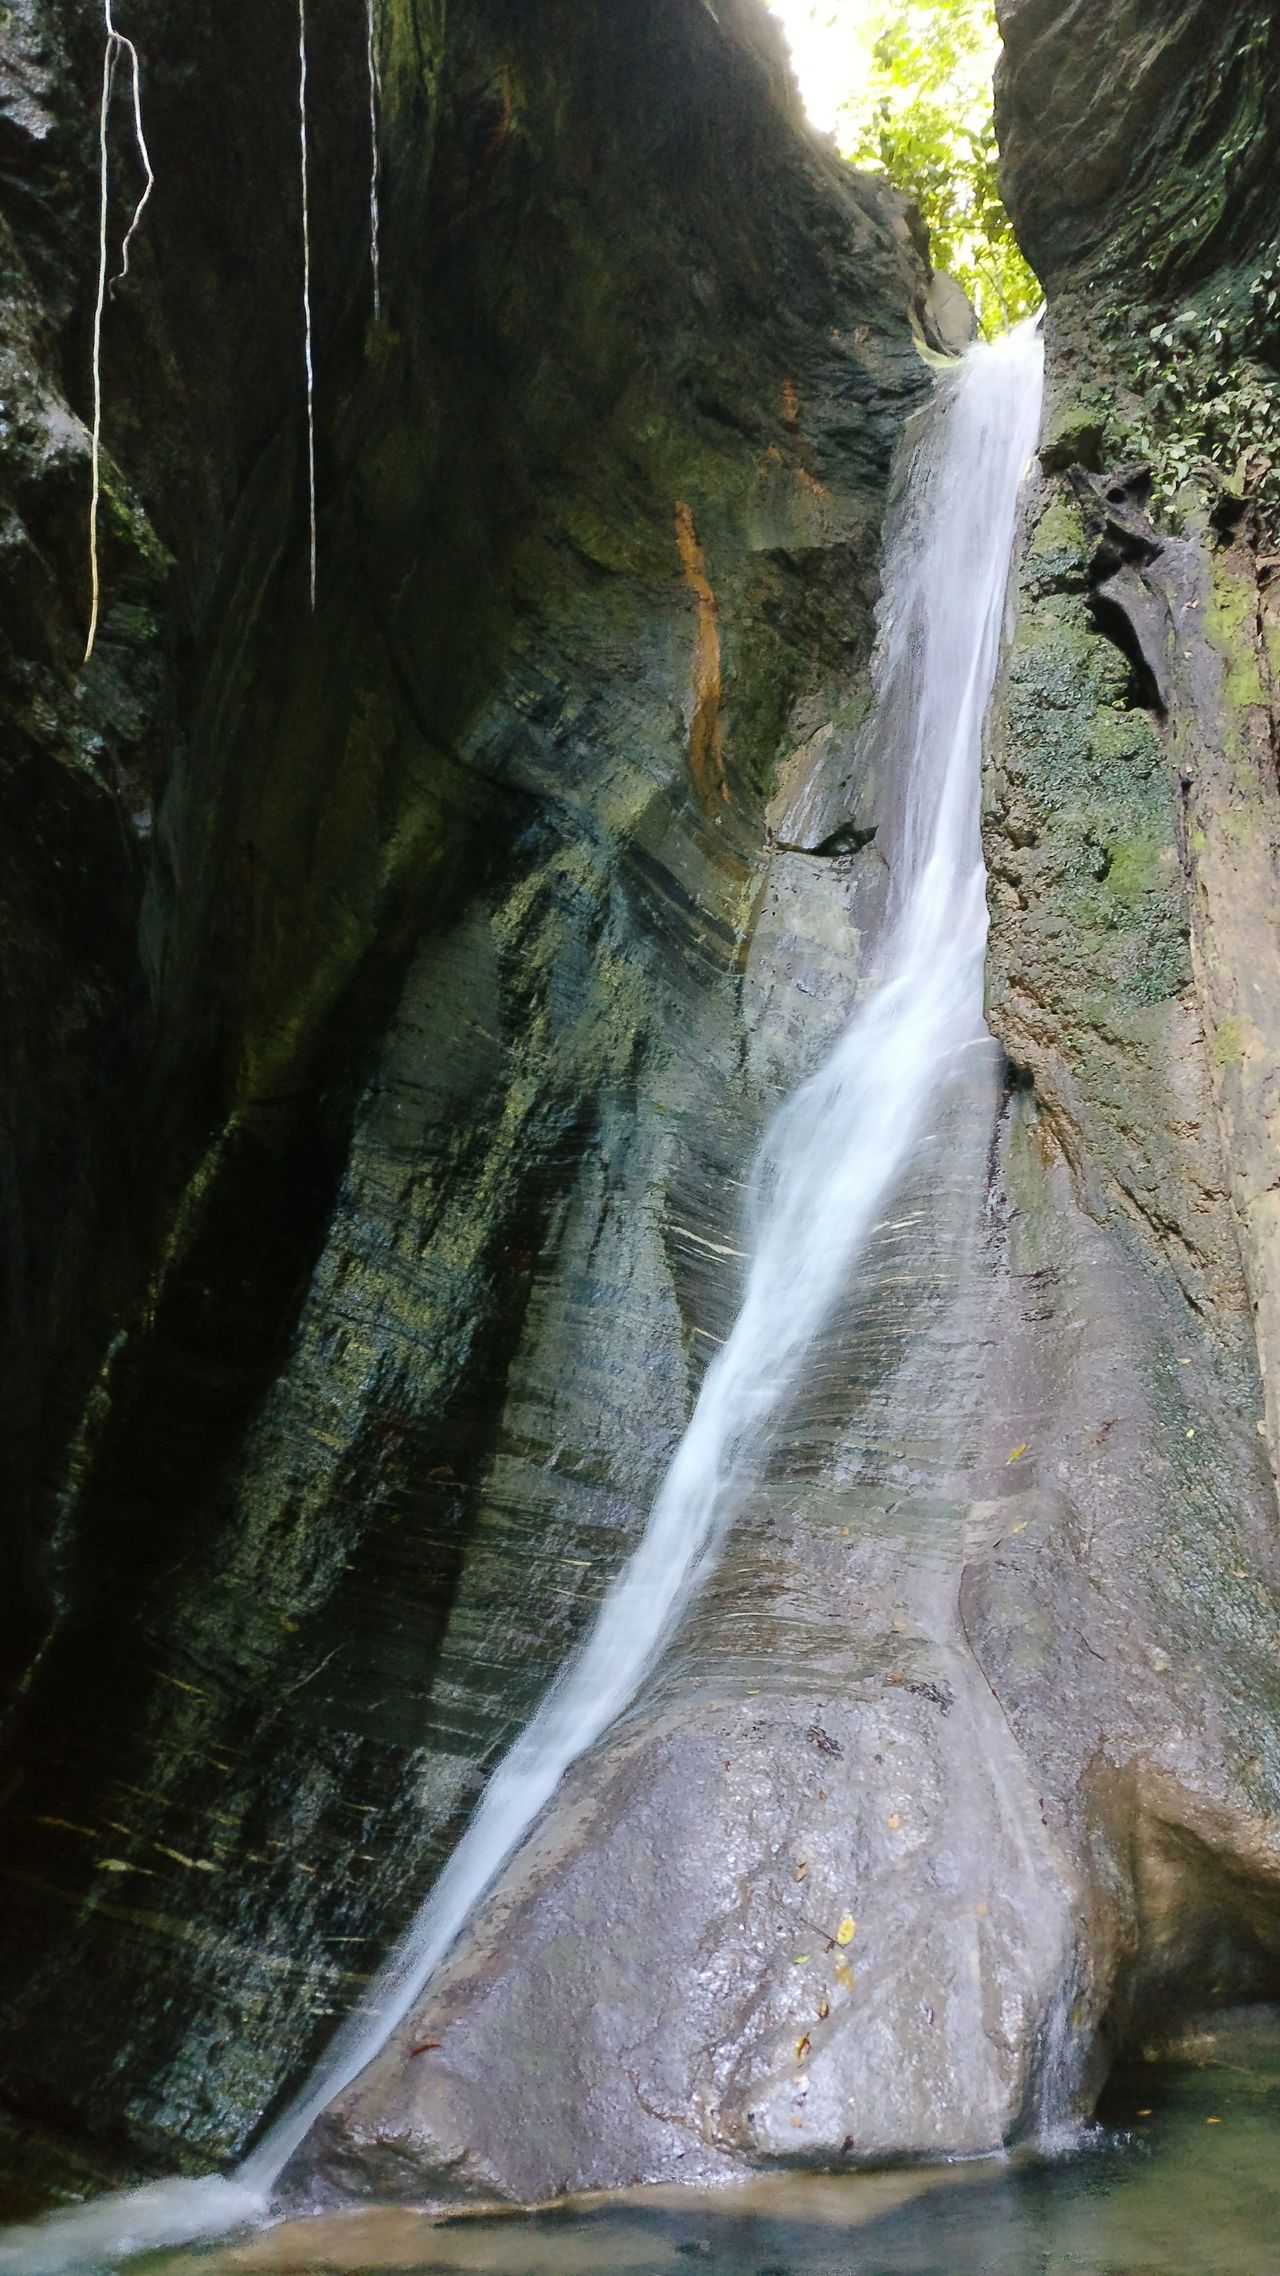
(829, 1162)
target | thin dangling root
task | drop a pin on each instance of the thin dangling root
(143, 153)
(373, 162)
(306, 286)
(108, 72)
(116, 46)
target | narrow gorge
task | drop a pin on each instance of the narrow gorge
(542, 1657)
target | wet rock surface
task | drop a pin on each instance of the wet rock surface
(379, 1026)
(1131, 837)
(1018, 1561)
(397, 995)
(986, 1683)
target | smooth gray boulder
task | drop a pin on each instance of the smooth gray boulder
(950, 324)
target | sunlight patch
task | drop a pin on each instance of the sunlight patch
(907, 92)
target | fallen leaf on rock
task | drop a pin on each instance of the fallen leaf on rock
(844, 1975)
(1016, 1455)
(802, 2047)
(802, 1868)
(894, 1822)
(824, 2010)
(845, 1932)
(802, 1959)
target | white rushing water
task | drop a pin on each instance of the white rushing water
(828, 1164)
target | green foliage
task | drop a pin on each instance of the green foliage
(1205, 377)
(923, 115)
(1192, 357)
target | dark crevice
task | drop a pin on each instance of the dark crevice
(1115, 624)
(850, 838)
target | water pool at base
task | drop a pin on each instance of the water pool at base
(1182, 2179)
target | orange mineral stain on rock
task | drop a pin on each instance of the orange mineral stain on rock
(706, 729)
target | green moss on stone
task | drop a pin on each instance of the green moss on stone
(1232, 626)
(1091, 772)
(1074, 430)
(1229, 1043)
(1137, 866)
(1090, 951)
(1057, 555)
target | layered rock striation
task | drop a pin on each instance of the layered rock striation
(1133, 830)
(386, 986)
(1016, 1573)
(394, 995)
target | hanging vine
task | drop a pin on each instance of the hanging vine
(306, 286)
(374, 97)
(117, 45)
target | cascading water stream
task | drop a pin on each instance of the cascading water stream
(829, 1162)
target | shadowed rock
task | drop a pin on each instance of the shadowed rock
(392, 1000)
(373, 978)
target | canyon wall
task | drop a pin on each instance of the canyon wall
(1017, 1566)
(384, 1020)
(394, 992)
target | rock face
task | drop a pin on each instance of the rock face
(1154, 526)
(378, 980)
(1004, 1736)
(1133, 829)
(394, 995)
(1018, 1570)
